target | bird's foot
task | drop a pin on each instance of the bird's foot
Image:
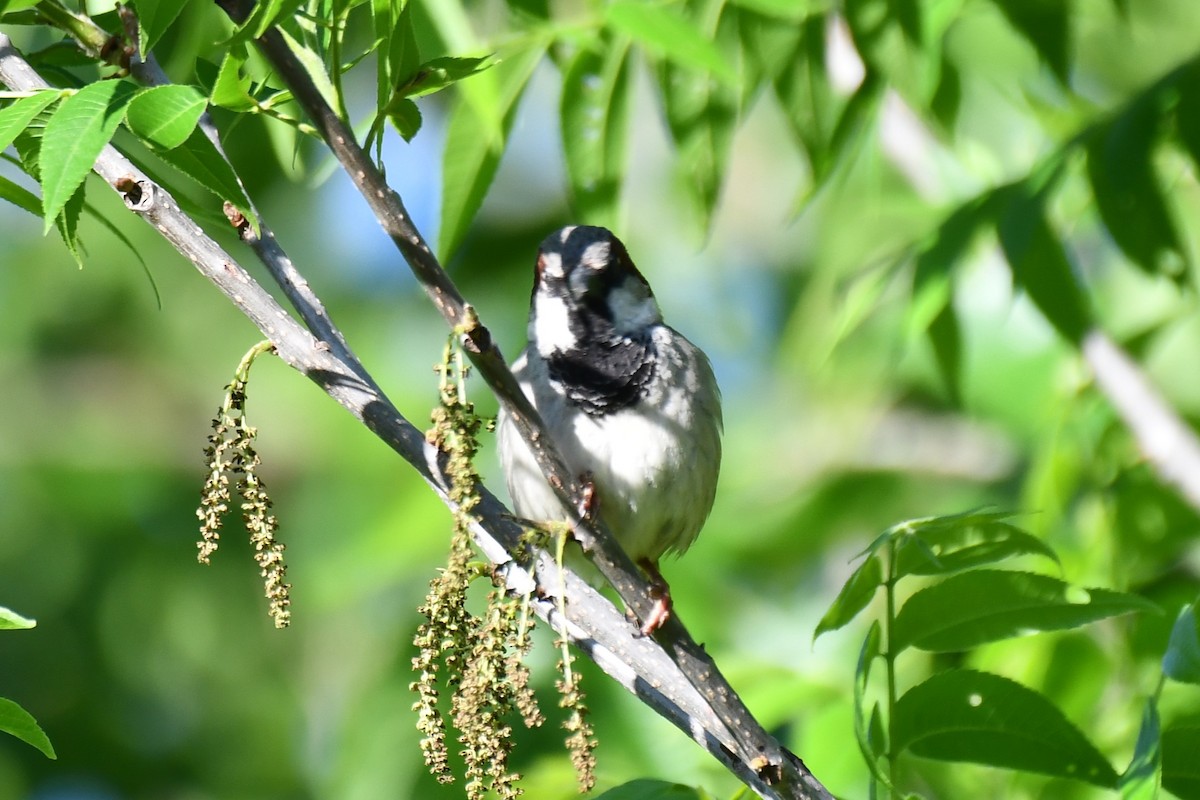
(660, 593)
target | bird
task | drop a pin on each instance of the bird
(631, 404)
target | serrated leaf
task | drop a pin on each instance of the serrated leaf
(1180, 767)
(976, 717)
(16, 117)
(264, 14)
(1181, 662)
(79, 129)
(647, 789)
(473, 147)
(21, 724)
(1045, 24)
(944, 545)
(156, 17)
(974, 608)
(1039, 264)
(315, 67)
(666, 33)
(68, 223)
(232, 88)
(165, 116)
(12, 621)
(1128, 193)
(199, 160)
(594, 112)
(1144, 775)
(20, 197)
(855, 595)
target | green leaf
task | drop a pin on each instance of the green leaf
(1181, 662)
(18, 722)
(68, 223)
(155, 18)
(855, 595)
(17, 116)
(12, 621)
(165, 116)
(314, 65)
(1180, 767)
(701, 115)
(199, 160)
(7, 6)
(232, 88)
(1045, 24)
(439, 73)
(1141, 780)
(1129, 194)
(803, 88)
(474, 147)
(595, 110)
(1187, 112)
(793, 10)
(868, 731)
(665, 33)
(647, 789)
(973, 608)
(944, 545)
(405, 118)
(20, 196)
(265, 14)
(945, 336)
(76, 133)
(969, 716)
(1039, 264)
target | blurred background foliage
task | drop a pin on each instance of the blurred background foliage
(781, 213)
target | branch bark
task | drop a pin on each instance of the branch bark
(700, 708)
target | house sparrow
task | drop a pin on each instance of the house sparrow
(631, 404)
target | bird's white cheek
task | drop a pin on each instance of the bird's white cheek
(551, 325)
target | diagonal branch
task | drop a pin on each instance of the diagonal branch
(598, 628)
(773, 764)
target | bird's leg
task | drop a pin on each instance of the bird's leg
(660, 593)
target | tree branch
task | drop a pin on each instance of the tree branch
(598, 627)
(756, 747)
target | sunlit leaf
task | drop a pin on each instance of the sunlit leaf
(315, 67)
(8, 6)
(232, 88)
(973, 608)
(155, 18)
(472, 154)
(664, 32)
(265, 14)
(441, 72)
(1141, 780)
(15, 117)
(594, 112)
(944, 545)
(855, 595)
(976, 717)
(165, 116)
(793, 10)
(803, 87)
(1180, 767)
(79, 129)
(12, 621)
(19, 722)
(199, 160)
(1181, 662)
